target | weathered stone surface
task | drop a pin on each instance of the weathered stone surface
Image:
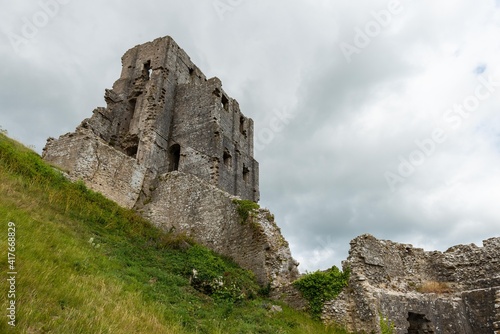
(184, 203)
(388, 279)
(164, 114)
(174, 146)
(87, 157)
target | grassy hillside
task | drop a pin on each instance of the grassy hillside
(85, 265)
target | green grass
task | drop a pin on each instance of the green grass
(386, 326)
(85, 265)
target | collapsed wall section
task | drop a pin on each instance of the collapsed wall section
(83, 156)
(418, 291)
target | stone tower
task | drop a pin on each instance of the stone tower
(166, 115)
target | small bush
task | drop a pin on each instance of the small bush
(434, 287)
(321, 286)
(265, 291)
(245, 207)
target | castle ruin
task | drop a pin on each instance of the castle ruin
(174, 146)
(167, 116)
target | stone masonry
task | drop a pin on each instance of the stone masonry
(174, 146)
(398, 283)
(166, 116)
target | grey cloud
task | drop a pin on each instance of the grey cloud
(323, 173)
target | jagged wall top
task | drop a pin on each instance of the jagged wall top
(456, 291)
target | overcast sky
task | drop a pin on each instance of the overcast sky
(371, 116)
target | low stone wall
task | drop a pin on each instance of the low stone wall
(84, 156)
(418, 291)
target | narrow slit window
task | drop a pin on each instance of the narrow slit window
(227, 158)
(225, 102)
(147, 71)
(242, 126)
(174, 157)
(246, 173)
(132, 104)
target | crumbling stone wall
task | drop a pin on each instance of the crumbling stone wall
(183, 203)
(174, 146)
(218, 146)
(388, 280)
(84, 156)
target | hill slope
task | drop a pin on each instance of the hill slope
(85, 265)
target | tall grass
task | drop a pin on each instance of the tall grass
(86, 265)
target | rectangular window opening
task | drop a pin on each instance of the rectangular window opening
(242, 126)
(147, 70)
(246, 173)
(225, 102)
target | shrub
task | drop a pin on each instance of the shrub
(321, 286)
(245, 207)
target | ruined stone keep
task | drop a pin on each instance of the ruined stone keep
(167, 116)
(175, 147)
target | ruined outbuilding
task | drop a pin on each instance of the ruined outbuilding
(174, 146)
(165, 115)
(451, 292)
